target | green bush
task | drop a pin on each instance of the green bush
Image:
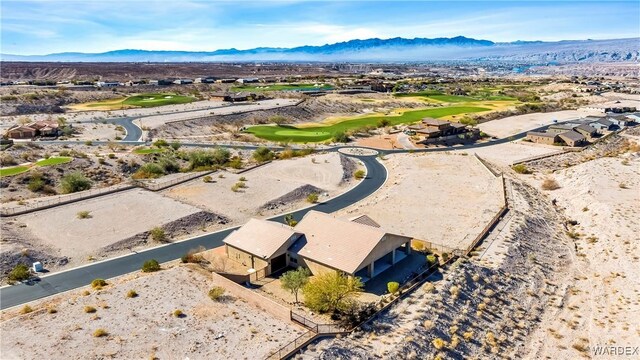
(84, 214)
(312, 198)
(216, 293)
(98, 283)
(100, 333)
(158, 234)
(150, 266)
(393, 287)
(341, 137)
(149, 171)
(521, 169)
(161, 143)
(175, 145)
(132, 294)
(208, 158)
(359, 174)
(75, 182)
(19, 273)
(36, 184)
(235, 162)
(262, 154)
(432, 260)
(207, 179)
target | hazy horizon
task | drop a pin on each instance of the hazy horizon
(96, 27)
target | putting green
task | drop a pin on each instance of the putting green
(56, 160)
(142, 100)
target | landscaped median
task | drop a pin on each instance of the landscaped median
(19, 169)
(285, 133)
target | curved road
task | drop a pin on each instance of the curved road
(74, 278)
(71, 279)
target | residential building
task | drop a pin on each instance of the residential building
(600, 124)
(572, 138)
(21, 132)
(540, 137)
(586, 130)
(319, 242)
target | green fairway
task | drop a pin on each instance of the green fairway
(151, 100)
(282, 87)
(322, 133)
(148, 151)
(476, 97)
(55, 160)
(14, 170)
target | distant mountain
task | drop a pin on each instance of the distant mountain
(381, 50)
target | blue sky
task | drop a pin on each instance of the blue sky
(48, 26)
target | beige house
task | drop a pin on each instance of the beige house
(320, 242)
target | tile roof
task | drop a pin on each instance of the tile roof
(572, 135)
(338, 243)
(260, 237)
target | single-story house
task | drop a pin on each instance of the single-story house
(21, 132)
(540, 137)
(620, 120)
(600, 123)
(572, 138)
(319, 242)
(560, 128)
(586, 130)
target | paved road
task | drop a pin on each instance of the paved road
(74, 278)
(78, 277)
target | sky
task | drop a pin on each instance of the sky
(52, 26)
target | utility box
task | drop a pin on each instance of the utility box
(37, 266)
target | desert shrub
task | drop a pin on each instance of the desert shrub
(132, 293)
(432, 260)
(207, 179)
(354, 313)
(150, 266)
(550, 184)
(100, 333)
(204, 159)
(169, 165)
(26, 309)
(216, 293)
(89, 309)
(341, 137)
(178, 313)
(83, 214)
(445, 256)
(237, 186)
(19, 273)
(468, 335)
(262, 154)
(312, 198)
(158, 234)
(175, 145)
(149, 171)
(112, 156)
(52, 310)
(383, 123)
(75, 182)
(7, 160)
(235, 162)
(438, 343)
(192, 257)
(393, 287)
(521, 169)
(98, 283)
(161, 143)
(359, 174)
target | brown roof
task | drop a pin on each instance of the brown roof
(22, 128)
(458, 125)
(572, 135)
(542, 134)
(587, 128)
(338, 243)
(262, 238)
(428, 130)
(434, 122)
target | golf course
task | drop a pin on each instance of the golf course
(19, 169)
(136, 101)
(322, 132)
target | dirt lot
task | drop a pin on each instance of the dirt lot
(113, 218)
(270, 189)
(429, 197)
(508, 153)
(144, 326)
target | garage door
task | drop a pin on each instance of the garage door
(278, 263)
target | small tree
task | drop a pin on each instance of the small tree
(341, 137)
(432, 261)
(290, 220)
(151, 266)
(75, 182)
(331, 291)
(359, 174)
(393, 287)
(294, 280)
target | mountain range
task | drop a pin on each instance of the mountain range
(380, 50)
